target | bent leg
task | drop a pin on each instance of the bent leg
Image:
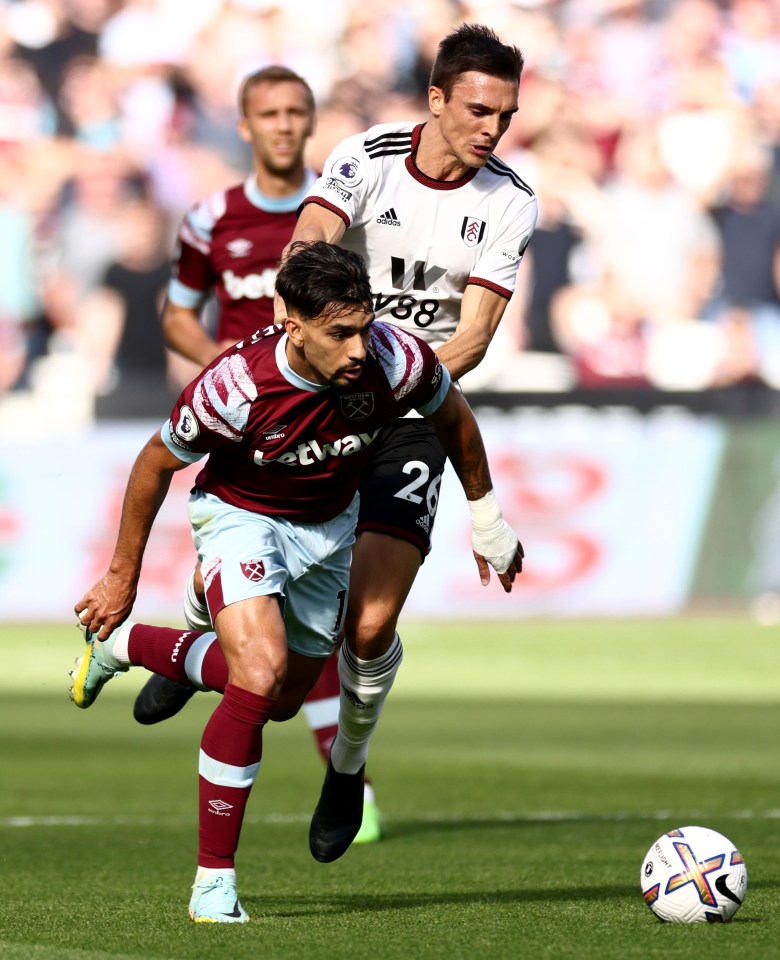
(253, 640)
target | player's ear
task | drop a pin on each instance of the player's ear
(243, 130)
(436, 100)
(293, 328)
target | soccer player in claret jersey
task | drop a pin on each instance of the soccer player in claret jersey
(229, 247)
(288, 420)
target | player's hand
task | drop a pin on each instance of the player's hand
(506, 573)
(494, 542)
(106, 605)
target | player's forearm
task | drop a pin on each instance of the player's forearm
(146, 490)
(493, 541)
(185, 335)
(459, 434)
(480, 315)
(462, 353)
(317, 223)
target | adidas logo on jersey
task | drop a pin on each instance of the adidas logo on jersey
(389, 219)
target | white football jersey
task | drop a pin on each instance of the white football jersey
(425, 240)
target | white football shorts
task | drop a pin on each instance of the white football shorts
(246, 554)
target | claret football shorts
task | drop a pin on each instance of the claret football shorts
(399, 492)
(245, 554)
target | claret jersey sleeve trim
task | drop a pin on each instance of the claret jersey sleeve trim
(494, 287)
(183, 296)
(328, 206)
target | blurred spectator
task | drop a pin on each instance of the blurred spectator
(648, 269)
(19, 304)
(652, 238)
(605, 332)
(560, 166)
(119, 325)
(87, 102)
(26, 112)
(748, 302)
(698, 133)
(751, 45)
(766, 114)
(85, 232)
(51, 34)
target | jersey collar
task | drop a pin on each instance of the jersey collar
(423, 178)
(290, 375)
(287, 204)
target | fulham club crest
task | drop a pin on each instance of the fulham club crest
(357, 406)
(472, 231)
(253, 570)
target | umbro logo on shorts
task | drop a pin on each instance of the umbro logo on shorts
(389, 218)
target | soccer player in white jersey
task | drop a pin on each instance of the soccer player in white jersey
(442, 224)
(287, 420)
(229, 246)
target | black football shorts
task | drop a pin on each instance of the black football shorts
(400, 489)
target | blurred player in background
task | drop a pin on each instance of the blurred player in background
(229, 247)
(273, 515)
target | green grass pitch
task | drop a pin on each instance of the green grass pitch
(523, 771)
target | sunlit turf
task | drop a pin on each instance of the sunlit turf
(523, 771)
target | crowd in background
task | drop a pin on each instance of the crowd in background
(649, 129)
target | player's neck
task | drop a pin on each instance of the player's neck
(435, 159)
(280, 184)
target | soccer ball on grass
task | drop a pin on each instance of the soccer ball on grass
(693, 875)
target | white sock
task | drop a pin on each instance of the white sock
(119, 641)
(196, 614)
(365, 685)
(207, 873)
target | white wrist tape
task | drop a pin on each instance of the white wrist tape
(491, 535)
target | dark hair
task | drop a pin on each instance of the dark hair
(273, 74)
(472, 46)
(322, 279)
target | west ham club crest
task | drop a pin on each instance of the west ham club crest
(357, 406)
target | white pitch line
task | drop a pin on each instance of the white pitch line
(540, 816)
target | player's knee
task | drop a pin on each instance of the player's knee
(370, 632)
(263, 677)
(289, 703)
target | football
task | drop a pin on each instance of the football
(693, 875)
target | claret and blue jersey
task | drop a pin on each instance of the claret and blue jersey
(268, 433)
